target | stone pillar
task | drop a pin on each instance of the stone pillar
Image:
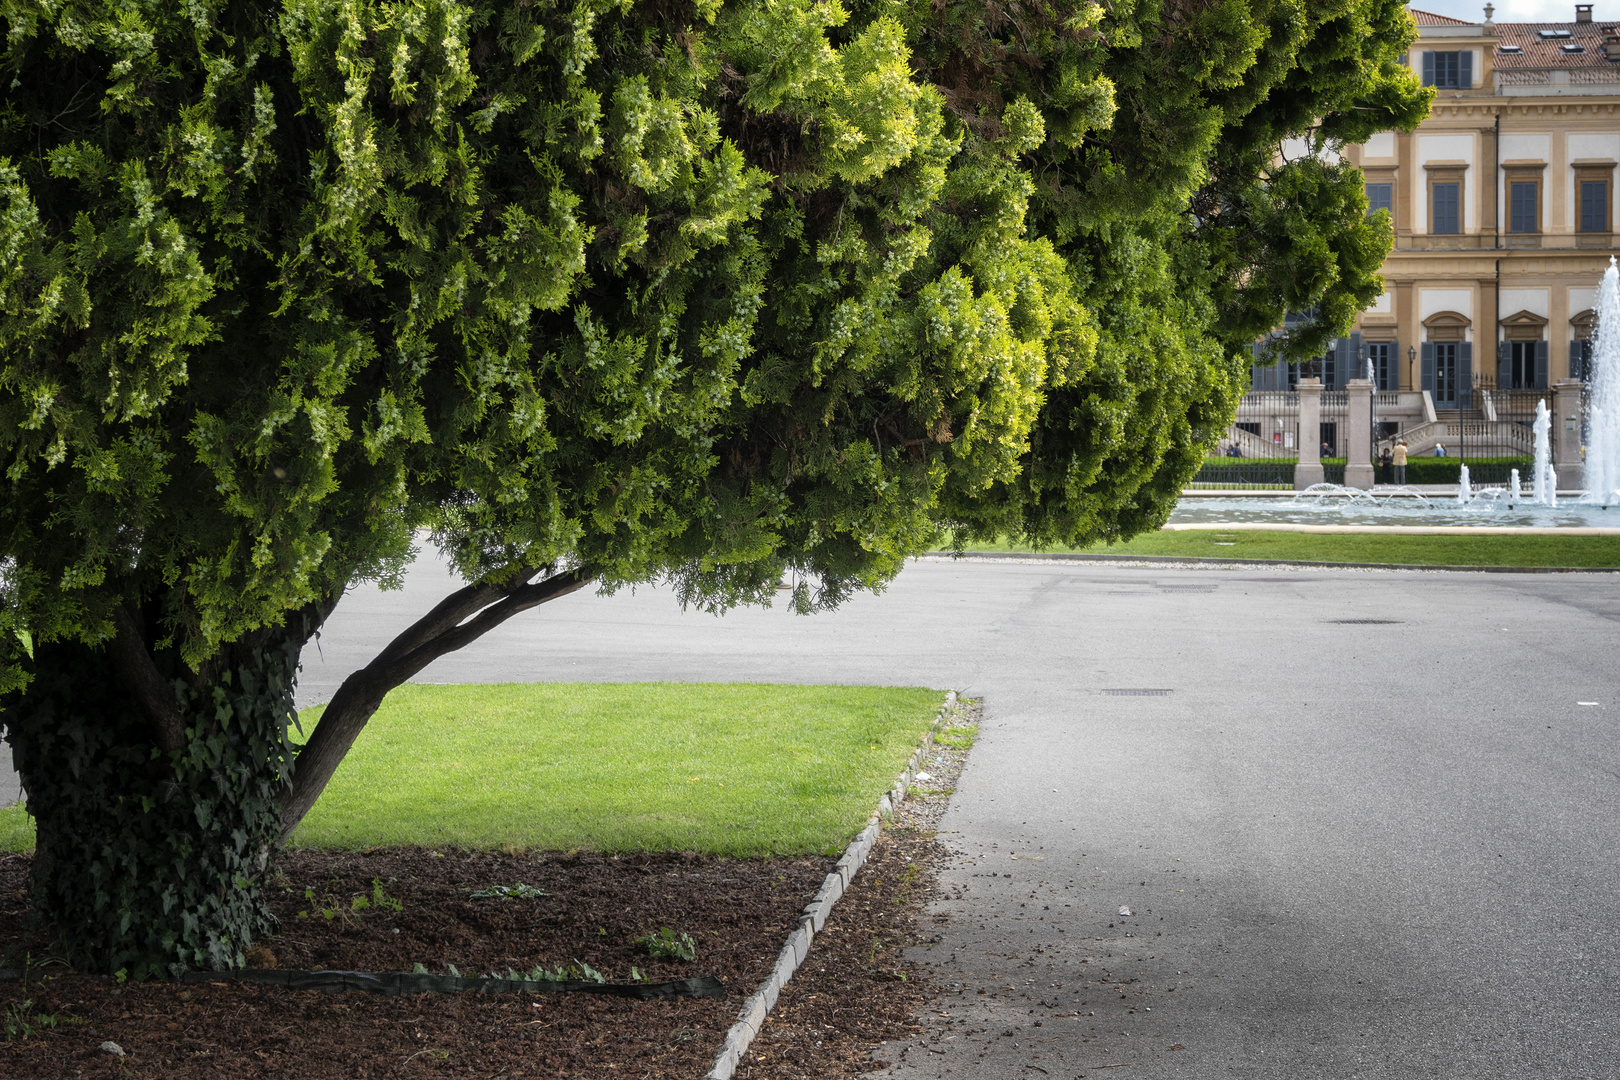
(1408, 332)
(1309, 469)
(1358, 467)
(1567, 409)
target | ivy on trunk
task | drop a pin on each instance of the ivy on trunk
(148, 859)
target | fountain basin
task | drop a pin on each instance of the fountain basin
(1363, 511)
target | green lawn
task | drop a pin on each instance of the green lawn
(724, 768)
(1594, 551)
(16, 830)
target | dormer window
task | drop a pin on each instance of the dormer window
(1573, 48)
(1551, 35)
(1509, 50)
(1449, 70)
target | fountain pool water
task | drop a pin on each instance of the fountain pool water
(1332, 504)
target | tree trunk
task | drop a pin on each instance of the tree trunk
(149, 860)
(160, 794)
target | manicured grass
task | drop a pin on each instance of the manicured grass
(16, 829)
(725, 768)
(722, 768)
(1592, 551)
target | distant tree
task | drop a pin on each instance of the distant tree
(586, 293)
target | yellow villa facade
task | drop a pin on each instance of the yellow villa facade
(1504, 203)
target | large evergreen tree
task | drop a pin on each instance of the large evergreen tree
(587, 292)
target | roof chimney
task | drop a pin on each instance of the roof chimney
(1583, 12)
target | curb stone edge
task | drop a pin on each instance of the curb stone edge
(760, 1003)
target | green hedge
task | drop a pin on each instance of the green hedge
(1492, 470)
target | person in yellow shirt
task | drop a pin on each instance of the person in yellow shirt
(1398, 460)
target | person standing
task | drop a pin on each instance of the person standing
(1385, 467)
(1439, 450)
(1398, 462)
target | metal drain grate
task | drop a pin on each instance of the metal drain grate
(1135, 692)
(1369, 622)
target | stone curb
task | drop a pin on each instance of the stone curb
(763, 1000)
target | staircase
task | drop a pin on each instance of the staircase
(1449, 426)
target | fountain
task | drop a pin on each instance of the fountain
(1464, 489)
(1513, 487)
(1603, 409)
(1538, 479)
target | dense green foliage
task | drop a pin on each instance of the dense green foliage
(692, 290)
(644, 287)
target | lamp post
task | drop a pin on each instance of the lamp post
(1411, 364)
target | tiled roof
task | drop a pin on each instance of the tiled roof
(1539, 52)
(1429, 18)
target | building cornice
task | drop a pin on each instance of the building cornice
(1585, 265)
(1488, 108)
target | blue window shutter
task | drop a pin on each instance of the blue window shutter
(1465, 375)
(1446, 215)
(1541, 365)
(1594, 206)
(1504, 365)
(1428, 367)
(1342, 360)
(1465, 77)
(1356, 362)
(1428, 69)
(1523, 212)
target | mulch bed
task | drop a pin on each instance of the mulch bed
(846, 999)
(738, 911)
(854, 991)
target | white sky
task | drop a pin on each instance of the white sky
(1520, 10)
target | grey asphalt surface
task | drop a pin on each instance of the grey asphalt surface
(1350, 850)
(10, 782)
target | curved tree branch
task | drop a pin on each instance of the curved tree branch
(458, 620)
(133, 662)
